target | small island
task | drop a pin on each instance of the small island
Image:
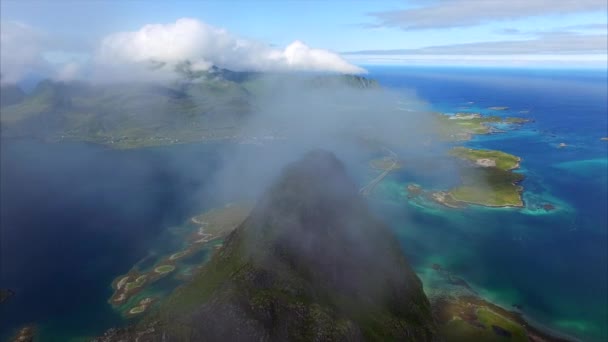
(490, 182)
(141, 307)
(498, 108)
(462, 126)
(486, 179)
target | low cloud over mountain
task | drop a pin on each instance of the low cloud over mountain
(153, 52)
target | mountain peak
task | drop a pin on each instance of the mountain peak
(309, 263)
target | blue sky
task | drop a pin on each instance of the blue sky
(457, 32)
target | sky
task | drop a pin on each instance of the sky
(72, 38)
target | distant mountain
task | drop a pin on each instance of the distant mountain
(201, 105)
(309, 264)
(10, 94)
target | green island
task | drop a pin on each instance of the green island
(201, 229)
(487, 158)
(462, 126)
(487, 179)
(490, 180)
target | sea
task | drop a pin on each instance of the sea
(74, 216)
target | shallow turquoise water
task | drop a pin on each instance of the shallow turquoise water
(552, 264)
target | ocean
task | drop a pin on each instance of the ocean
(553, 265)
(74, 215)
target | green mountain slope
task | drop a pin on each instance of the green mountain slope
(309, 263)
(199, 106)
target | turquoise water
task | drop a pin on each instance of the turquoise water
(552, 264)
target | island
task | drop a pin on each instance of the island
(489, 179)
(498, 108)
(141, 307)
(487, 158)
(462, 126)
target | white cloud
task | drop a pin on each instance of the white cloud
(205, 45)
(460, 13)
(68, 71)
(26, 51)
(21, 51)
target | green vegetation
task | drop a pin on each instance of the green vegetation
(501, 160)
(489, 186)
(202, 106)
(446, 199)
(221, 221)
(470, 318)
(200, 230)
(264, 275)
(516, 120)
(488, 180)
(462, 126)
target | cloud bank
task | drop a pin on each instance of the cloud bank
(204, 45)
(551, 43)
(461, 13)
(152, 52)
(21, 51)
